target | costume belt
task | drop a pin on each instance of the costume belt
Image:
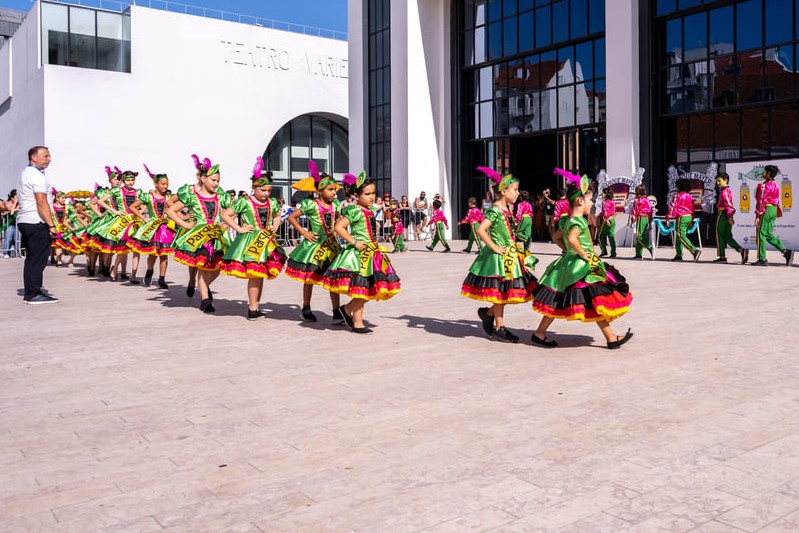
(368, 264)
(207, 232)
(265, 240)
(515, 253)
(326, 251)
(118, 227)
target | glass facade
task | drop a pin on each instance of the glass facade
(727, 85)
(306, 137)
(531, 88)
(84, 37)
(379, 89)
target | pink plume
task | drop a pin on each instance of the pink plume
(97, 185)
(314, 170)
(349, 179)
(207, 164)
(197, 163)
(108, 171)
(259, 167)
(148, 170)
(119, 172)
(574, 178)
(491, 173)
(54, 191)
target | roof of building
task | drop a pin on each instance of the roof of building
(10, 21)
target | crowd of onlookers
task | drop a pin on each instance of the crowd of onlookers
(8, 226)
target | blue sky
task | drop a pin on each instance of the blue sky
(327, 14)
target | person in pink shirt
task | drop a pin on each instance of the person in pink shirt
(607, 225)
(767, 209)
(682, 211)
(473, 217)
(641, 219)
(725, 221)
(524, 218)
(561, 214)
(438, 221)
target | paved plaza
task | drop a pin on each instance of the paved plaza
(125, 409)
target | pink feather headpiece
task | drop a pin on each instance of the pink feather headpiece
(313, 170)
(258, 168)
(568, 176)
(349, 179)
(119, 172)
(152, 176)
(500, 183)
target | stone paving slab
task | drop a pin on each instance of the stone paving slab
(125, 409)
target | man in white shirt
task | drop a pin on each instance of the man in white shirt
(35, 224)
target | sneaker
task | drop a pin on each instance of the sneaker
(487, 320)
(788, 255)
(338, 318)
(254, 315)
(744, 255)
(696, 254)
(41, 299)
(5, 256)
(720, 260)
(760, 263)
(503, 335)
(307, 315)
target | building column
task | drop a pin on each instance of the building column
(358, 86)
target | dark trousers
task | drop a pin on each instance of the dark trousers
(37, 248)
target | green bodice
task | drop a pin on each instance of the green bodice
(321, 221)
(259, 216)
(363, 225)
(204, 210)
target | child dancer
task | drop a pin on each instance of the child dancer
(397, 238)
(154, 239)
(562, 209)
(641, 218)
(725, 221)
(59, 214)
(204, 242)
(607, 225)
(360, 270)
(113, 239)
(313, 255)
(255, 254)
(502, 272)
(577, 285)
(439, 222)
(473, 217)
(524, 218)
(767, 209)
(682, 209)
(70, 241)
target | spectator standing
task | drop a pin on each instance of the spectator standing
(488, 201)
(35, 224)
(420, 213)
(380, 217)
(406, 212)
(11, 243)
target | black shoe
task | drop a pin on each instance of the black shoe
(346, 317)
(429, 249)
(190, 291)
(466, 250)
(364, 330)
(124, 276)
(207, 306)
(106, 272)
(546, 343)
(338, 318)
(788, 255)
(503, 335)
(162, 283)
(614, 345)
(41, 299)
(487, 320)
(134, 281)
(720, 260)
(603, 254)
(252, 315)
(447, 249)
(90, 272)
(696, 254)
(613, 255)
(638, 258)
(148, 278)
(52, 261)
(677, 258)
(760, 263)
(744, 255)
(307, 315)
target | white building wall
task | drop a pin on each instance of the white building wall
(198, 85)
(357, 24)
(623, 96)
(21, 101)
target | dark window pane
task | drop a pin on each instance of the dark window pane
(372, 88)
(784, 137)
(674, 41)
(525, 5)
(301, 131)
(526, 30)
(596, 15)
(500, 80)
(495, 40)
(727, 142)
(560, 21)
(373, 133)
(372, 51)
(755, 133)
(578, 18)
(543, 29)
(468, 14)
(701, 138)
(508, 8)
(549, 109)
(599, 58)
(681, 139)
(566, 65)
(468, 48)
(584, 66)
(509, 36)
(696, 86)
(673, 78)
(386, 48)
(779, 78)
(723, 91)
(685, 4)
(386, 14)
(386, 85)
(601, 96)
(749, 31)
(494, 10)
(378, 7)
(749, 81)
(778, 21)
(696, 37)
(581, 106)
(666, 6)
(721, 38)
